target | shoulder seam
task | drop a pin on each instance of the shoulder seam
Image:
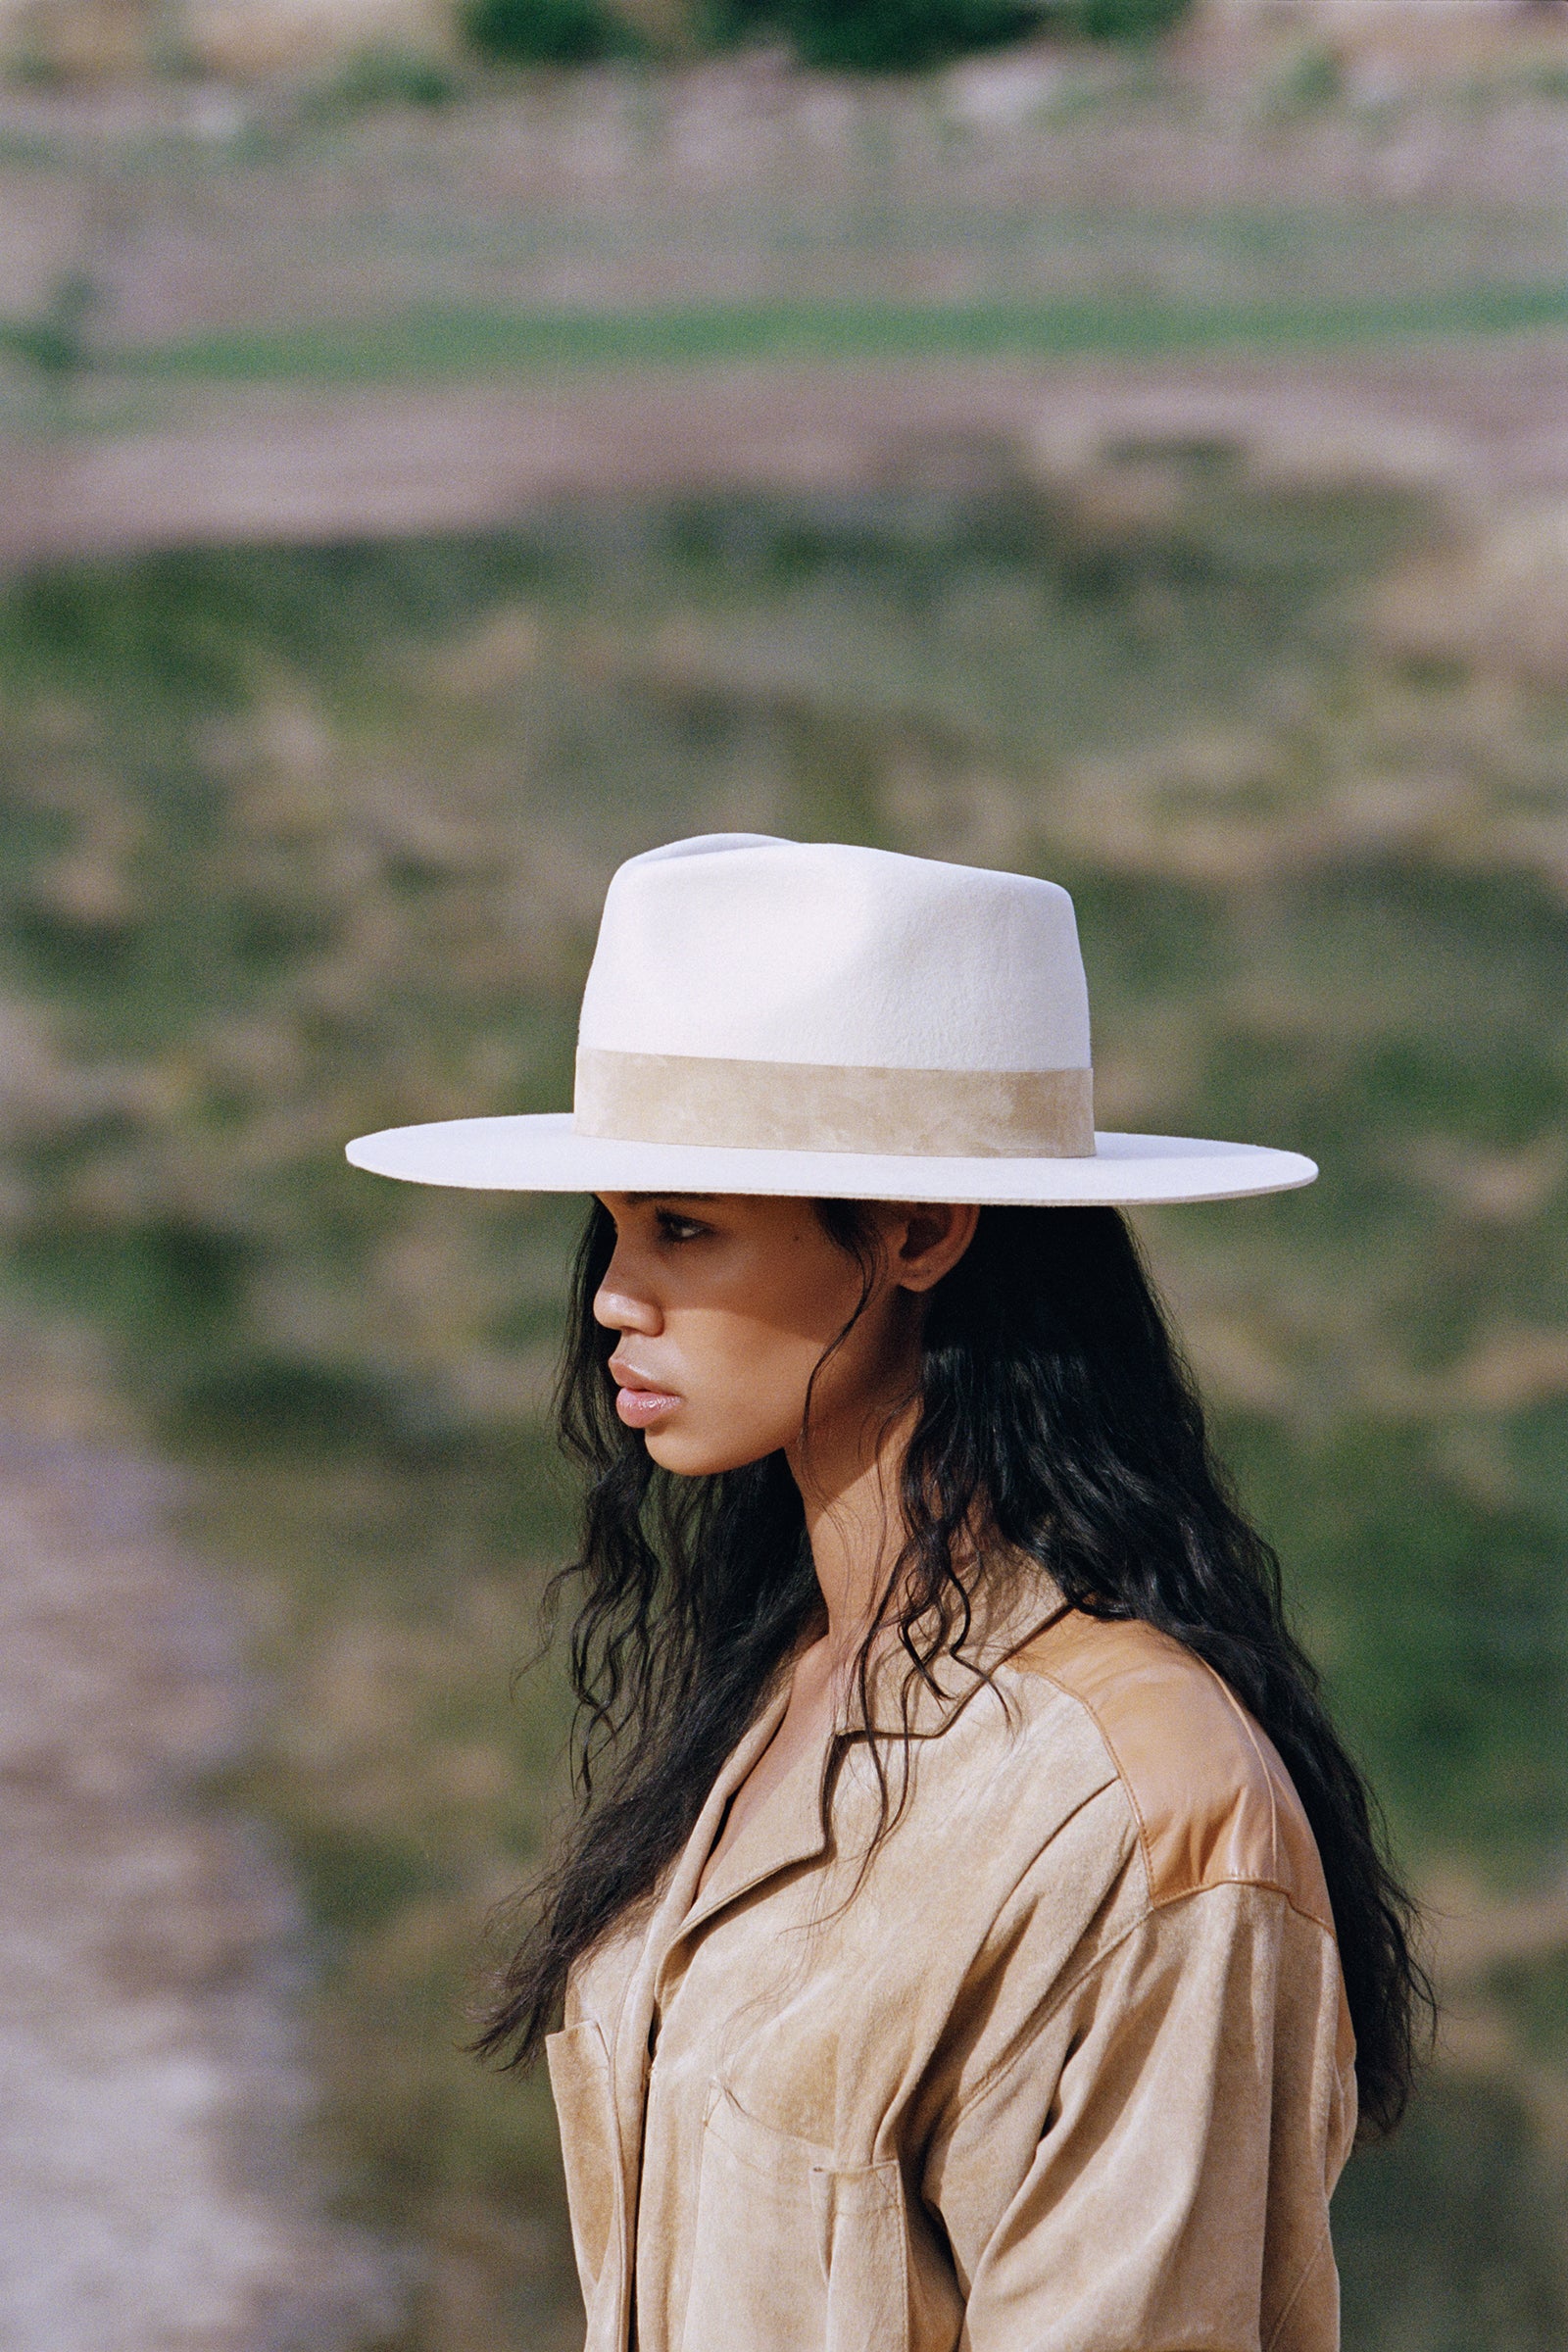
(1186, 1894)
(1277, 1869)
(1242, 1718)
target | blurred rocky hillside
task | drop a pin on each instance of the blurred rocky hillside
(297, 843)
(426, 487)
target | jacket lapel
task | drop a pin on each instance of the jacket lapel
(786, 1830)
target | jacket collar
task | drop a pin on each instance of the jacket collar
(788, 1830)
(784, 1831)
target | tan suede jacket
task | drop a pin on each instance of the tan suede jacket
(1069, 2069)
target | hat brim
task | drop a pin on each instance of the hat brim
(544, 1153)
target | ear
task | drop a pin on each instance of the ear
(926, 1240)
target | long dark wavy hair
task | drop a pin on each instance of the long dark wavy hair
(1053, 1413)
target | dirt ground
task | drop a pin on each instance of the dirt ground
(152, 2099)
(1480, 420)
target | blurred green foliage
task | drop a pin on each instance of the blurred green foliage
(857, 36)
(297, 843)
(548, 32)
(54, 340)
(1120, 20)
(1421, 2226)
(878, 36)
(1313, 78)
(382, 74)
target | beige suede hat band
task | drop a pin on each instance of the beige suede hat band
(801, 1107)
(812, 1018)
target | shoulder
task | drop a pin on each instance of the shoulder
(1213, 1801)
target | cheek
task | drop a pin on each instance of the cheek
(744, 1386)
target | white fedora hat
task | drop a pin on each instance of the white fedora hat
(782, 1016)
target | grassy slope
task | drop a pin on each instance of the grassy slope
(421, 342)
(297, 845)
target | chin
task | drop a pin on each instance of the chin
(684, 1455)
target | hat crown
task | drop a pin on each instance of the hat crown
(742, 947)
(826, 1021)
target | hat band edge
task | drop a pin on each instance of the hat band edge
(828, 1107)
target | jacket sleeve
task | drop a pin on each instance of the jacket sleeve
(1147, 2167)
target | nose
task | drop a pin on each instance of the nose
(619, 1303)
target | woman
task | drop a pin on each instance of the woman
(978, 1936)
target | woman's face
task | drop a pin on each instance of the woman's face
(726, 1304)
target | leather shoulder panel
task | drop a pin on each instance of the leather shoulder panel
(1213, 1802)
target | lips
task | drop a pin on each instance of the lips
(638, 1402)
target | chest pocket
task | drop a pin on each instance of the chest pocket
(585, 2109)
(790, 2252)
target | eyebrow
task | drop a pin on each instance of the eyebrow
(638, 1199)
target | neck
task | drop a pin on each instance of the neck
(853, 1520)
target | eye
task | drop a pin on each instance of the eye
(673, 1227)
